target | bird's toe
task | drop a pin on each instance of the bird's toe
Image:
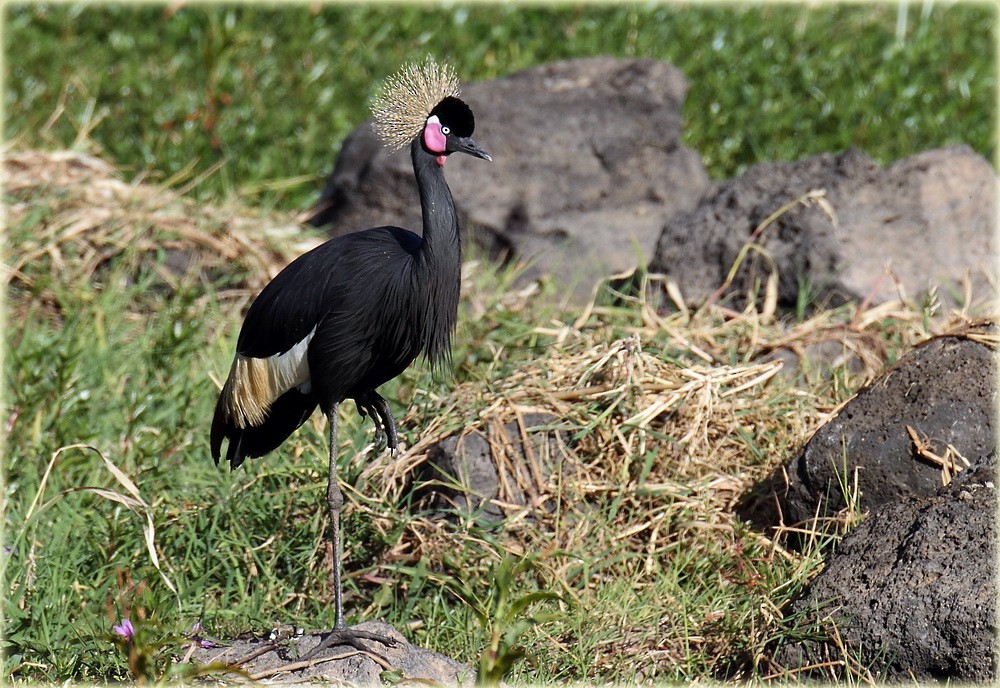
(352, 638)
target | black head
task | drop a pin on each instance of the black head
(456, 115)
(449, 130)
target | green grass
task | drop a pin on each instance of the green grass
(269, 92)
(115, 359)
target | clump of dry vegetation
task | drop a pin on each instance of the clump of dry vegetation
(71, 215)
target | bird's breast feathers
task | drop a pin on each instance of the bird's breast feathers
(255, 383)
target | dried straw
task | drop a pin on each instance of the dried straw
(72, 213)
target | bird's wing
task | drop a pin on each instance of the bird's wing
(288, 308)
(327, 299)
(333, 282)
(335, 276)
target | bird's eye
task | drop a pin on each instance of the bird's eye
(445, 130)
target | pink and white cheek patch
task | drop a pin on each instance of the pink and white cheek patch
(434, 139)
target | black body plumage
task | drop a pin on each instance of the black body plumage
(376, 298)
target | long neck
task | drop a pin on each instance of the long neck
(438, 258)
(441, 235)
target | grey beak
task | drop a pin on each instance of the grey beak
(467, 145)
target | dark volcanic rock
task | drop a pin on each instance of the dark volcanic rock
(280, 661)
(930, 217)
(469, 471)
(945, 389)
(587, 167)
(912, 591)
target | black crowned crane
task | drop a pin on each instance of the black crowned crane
(354, 312)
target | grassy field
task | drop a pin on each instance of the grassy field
(112, 505)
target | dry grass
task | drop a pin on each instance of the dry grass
(72, 214)
(669, 418)
(625, 396)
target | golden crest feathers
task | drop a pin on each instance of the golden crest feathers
(406, 99)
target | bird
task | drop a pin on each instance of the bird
(353, 313)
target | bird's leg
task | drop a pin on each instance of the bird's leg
(334, 501)
(341, 634)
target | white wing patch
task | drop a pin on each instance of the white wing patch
(255, 383)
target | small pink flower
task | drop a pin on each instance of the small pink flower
(125, 629)
(195, 634)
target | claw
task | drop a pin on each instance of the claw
(353, 638)
(385, 425)
(371, 411)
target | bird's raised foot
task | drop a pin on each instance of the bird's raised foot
(351, 637)
(380, 433)
(381, 415)
(391, 437)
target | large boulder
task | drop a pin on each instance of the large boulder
(910, 595)
(588, 165)
(945, 390)
(930, 218)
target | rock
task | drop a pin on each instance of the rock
(822, 356)
(911, 592)
(931, 217)
(279, 660)
(945, 389)
(462, 471)
(588, 165)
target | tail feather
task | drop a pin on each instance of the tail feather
(285, 415)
